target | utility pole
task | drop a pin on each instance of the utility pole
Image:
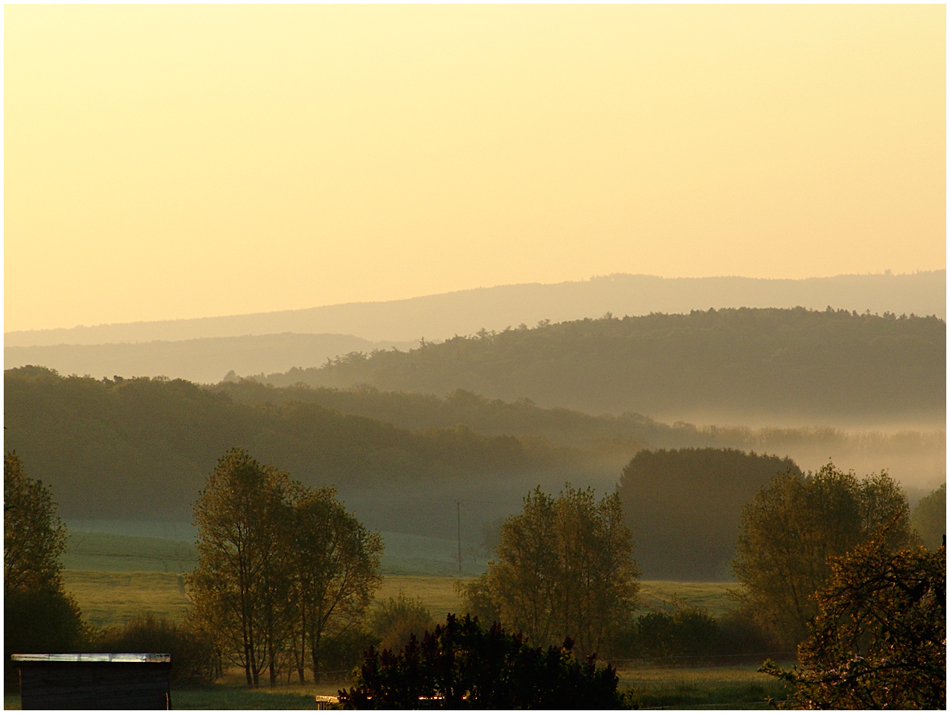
(458, 514)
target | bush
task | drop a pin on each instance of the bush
(683, 632)
(192, 650)
(395, 619)
(40, 621)
(462, 666)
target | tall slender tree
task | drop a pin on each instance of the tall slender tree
(336, 571)
(243, 517)
(281, 568)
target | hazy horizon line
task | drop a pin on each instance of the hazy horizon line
(593, 278)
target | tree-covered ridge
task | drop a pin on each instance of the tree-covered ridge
(736, 362)
(120, 448)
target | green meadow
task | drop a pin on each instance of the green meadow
(117, 576)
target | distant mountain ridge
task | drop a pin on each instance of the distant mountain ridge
(439, 317)
(205, 361)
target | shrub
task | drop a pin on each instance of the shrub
(683, 632)
(39, 621)
(395, 619)
(462, 666)
(192, 650)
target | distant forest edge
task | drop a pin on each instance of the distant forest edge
(118, 448)
(438, 317)
(734, 365)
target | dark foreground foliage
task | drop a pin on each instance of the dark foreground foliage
(462, 666)
(38, 614)
(879, 641)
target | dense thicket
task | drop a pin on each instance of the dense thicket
(736, 363)
(683, 507)
(121, 448)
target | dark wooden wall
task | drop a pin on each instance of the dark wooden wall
(94, 685)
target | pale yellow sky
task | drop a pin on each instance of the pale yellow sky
(185, 161)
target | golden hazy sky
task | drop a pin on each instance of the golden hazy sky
(185, 161)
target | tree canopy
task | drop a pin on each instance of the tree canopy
(879, 639)
(39, 616)
(34, 537)
(563, 568)
(794, 528)
(282, 569)
(741, 364)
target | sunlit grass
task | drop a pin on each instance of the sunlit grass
(655, 594)
(733, 687)
(115, 598)
(110, 598)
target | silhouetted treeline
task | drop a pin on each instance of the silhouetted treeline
(684, 507)
(141, 448)
(737, 364)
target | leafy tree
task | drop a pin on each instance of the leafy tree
(563, 568)
(39, 616)
(930, 517)
(794, 527)
(335, 571)
(461, 666)
(879, 640)
(243, 519)
(34, 537)
(282, 570)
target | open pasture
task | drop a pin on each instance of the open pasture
(113, 598)
(139, 546)
(728, 687)
(113, 552)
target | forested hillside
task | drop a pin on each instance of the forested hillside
(125, 448)
(743, 365)
(916, 457)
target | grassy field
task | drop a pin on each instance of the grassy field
(110, 552)
(129, 546)
(733, 687)
(116, 576)
(112, 598)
